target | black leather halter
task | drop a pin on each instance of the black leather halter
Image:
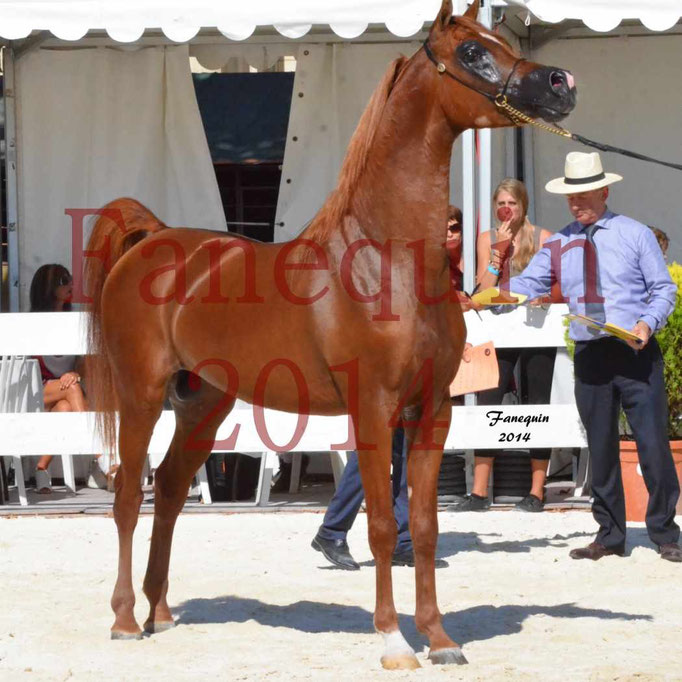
(493, 97)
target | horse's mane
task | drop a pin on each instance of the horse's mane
(355, 161)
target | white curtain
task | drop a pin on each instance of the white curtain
(332, 86)
(95, 124)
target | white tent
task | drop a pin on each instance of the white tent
(605, 15)
(180, 20)
(100, 104)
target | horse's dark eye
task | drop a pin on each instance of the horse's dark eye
(470, 53)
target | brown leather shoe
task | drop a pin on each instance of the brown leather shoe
(594, 551)
(671, 551)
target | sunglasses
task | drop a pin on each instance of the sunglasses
(64, 280)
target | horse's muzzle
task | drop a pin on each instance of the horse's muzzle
(546, 92)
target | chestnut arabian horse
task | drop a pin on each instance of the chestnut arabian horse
(354, 317)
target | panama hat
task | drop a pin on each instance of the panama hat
(582, 173)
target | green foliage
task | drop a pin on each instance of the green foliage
(570, 343)
(670, 340)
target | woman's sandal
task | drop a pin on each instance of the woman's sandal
(43, 482)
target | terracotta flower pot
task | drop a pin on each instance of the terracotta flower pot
(636, 495)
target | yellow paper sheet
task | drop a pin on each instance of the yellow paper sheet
(487, 296)
(608, 327)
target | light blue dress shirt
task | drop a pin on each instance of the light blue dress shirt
(635, 281)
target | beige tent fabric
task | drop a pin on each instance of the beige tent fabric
(100, 123)
(332, 86)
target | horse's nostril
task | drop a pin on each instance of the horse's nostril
(557, 79)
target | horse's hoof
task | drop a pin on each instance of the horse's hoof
(400, 662)
(451, 656)
(153, 628)
(115, 634)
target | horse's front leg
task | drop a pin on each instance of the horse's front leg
(375, 469)
(423, 465)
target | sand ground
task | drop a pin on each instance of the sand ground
(254, 602)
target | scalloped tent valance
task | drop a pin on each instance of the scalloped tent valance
(605, 15)
(181, 20)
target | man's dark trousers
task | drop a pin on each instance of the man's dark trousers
(609, 373)
(344, 506)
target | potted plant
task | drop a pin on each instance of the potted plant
(670, 341)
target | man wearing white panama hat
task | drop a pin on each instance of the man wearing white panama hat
(617, 275)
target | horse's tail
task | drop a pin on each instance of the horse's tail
(121, 224)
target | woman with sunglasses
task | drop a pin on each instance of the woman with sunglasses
(453, 246)
(51, 291)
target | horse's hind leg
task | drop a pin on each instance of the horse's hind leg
(199, 411)
(138, 417)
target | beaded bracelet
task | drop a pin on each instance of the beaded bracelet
(493, 270)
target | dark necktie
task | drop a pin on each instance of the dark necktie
(594, 302)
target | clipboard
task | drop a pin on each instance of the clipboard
(487, 296)
(606, 327)
(478, 371)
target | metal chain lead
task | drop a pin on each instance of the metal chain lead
(519, 117)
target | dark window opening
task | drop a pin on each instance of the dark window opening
(249, 194)
(245, 117)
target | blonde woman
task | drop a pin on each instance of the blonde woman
(510, 204)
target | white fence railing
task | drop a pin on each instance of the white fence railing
(67, 434)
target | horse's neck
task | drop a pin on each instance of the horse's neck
(404, 191)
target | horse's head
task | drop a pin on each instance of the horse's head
(478, 67)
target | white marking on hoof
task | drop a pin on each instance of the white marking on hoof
(162, 626)
(398, 654)
(125, 635)
(451, 656)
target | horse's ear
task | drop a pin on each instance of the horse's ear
(444, 16)
(472, 10)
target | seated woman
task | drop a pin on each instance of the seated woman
(536, 365)
(51, 291)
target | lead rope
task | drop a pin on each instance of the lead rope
(519, 117)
